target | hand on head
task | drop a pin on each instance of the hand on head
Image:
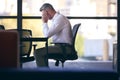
(44, 16)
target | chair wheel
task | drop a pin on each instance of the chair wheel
(57, 63)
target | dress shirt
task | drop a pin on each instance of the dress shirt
(60, 29)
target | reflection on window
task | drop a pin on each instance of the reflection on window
(101, 32)
(73, 7)
(33, 24)
(36, 26)
(97, 38)
(9, 23)
(112, 8)
(98, 28)
(8, 7)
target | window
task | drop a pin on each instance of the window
(97, 22)
(74, 8)
(8, 7)
(98, 19)
(8, 13)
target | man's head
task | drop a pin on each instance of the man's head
(48, 10)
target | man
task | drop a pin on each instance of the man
(60, 31)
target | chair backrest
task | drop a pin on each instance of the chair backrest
(74, 31)
(2, 27)
(74, 55)
(26, 46)
(9, 49)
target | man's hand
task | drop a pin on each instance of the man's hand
(44, 16)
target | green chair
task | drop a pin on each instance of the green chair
(25, 47)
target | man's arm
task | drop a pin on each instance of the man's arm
(45, 20)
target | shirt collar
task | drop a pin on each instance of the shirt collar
(56, 14)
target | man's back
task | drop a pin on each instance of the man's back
(62, 29)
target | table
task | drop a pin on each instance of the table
(36, 39)
(43, 39)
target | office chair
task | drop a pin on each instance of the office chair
(66, 56)
(26, 47)
(2, 27)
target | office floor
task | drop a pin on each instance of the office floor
(79, 64)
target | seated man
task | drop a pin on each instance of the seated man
(60, 31)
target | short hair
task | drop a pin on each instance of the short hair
(45, 6)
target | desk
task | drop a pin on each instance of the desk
(36, 39)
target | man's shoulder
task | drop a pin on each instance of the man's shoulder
(60, 16)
